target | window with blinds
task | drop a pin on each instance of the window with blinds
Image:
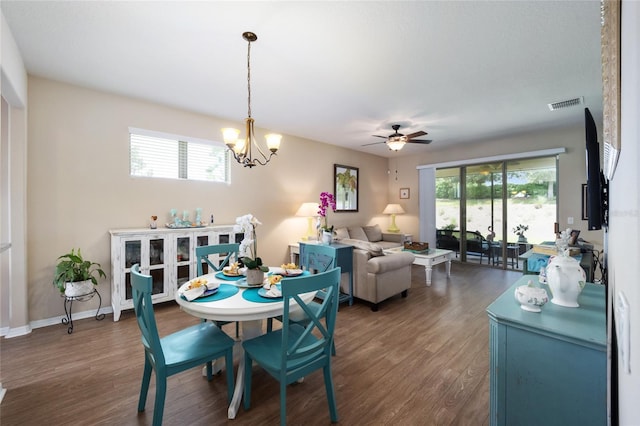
(156, 155)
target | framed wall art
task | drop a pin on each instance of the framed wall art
(404, 193)
(345, 188)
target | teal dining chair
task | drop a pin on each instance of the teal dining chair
(294, 351)
(190, 347)
(317, 258)
(230, 252)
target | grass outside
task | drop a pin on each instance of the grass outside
(538, 214)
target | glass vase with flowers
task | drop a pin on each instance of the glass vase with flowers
(248, 250)
(327, 201)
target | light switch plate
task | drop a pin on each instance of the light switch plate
(622, 331)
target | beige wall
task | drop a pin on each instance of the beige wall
(572, 173)
(79, 185)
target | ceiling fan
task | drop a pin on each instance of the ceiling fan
(396, 141)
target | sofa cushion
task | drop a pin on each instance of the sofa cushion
(374, 233)
(388, 244)
(372, 248)
(390, 263)
(357, 233)
(341, 233)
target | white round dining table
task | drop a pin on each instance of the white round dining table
(235, 308)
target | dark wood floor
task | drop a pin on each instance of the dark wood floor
(419, 360)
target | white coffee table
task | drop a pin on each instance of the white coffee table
(432, 257)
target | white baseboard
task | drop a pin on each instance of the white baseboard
(8, 332)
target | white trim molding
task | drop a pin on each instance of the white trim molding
(495, 158)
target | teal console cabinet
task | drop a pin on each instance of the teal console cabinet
(311, 255)
(548, 368)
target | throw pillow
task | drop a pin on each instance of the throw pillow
(341, 234)
(374, 233)
(373, 249)
(357, 233)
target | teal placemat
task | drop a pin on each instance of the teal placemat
(224, 291)
(220, 275)
(251, 294)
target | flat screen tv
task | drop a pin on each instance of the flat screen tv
(596, 202)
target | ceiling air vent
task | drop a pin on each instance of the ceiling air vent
(566, 104)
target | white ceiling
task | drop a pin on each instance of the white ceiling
(336, 72)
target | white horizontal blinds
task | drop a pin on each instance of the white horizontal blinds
(182, 160)
(207, 162)
(154, 157)
(153, 154)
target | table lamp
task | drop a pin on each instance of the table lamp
(393, 210)
(309, 210)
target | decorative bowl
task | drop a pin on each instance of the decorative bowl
(531, 298)
(416, 246)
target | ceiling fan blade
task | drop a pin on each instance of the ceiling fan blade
(378, 136)
(374, 143)
(425, 141)
(416, 134)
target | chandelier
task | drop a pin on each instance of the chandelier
(241, 148)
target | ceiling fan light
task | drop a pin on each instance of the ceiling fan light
(395, 145)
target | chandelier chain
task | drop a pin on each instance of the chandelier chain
(242, 149)
(249, 79)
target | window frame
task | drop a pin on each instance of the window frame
(182, 161)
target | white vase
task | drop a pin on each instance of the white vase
(78, 288)
(566, 279)
(327, 237)
(255, 276)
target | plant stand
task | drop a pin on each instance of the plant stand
(68, 306)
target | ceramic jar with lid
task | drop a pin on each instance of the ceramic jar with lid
(566, 279)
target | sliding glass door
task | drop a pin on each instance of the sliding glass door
(492, 213)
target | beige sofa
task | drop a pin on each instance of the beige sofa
(376, 276)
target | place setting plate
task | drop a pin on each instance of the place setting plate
(292, 272)
(222, 275)
(202, 289)
(265, 293)
(242, 283)
(287, 272)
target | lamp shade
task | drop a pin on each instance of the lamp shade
(308, 210)
(393, 209)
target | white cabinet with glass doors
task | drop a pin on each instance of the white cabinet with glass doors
(168, 255)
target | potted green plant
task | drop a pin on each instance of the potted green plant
(76, 276)
(519, 231)
(255, 270)
(448, 230)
